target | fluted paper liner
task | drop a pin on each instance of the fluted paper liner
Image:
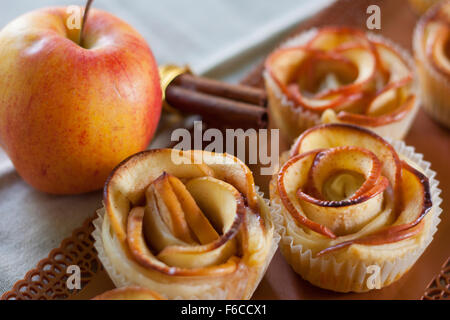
(351, 275)
(284, 111)
(434, 86)
(217, 293)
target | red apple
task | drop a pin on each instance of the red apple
(69, 113)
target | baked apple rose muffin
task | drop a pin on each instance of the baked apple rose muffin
(185, 224)
(340, 75)
(350, 200)
(432, 52)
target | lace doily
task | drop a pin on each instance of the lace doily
(48, 280)
(439, 288)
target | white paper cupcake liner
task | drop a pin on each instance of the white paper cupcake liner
(294, 119)
(345, 276)
(218, 293)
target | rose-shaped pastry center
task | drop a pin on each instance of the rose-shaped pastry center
(347, 184)
(186, 225)
(351, 175)
(342, 185)
(342, 73)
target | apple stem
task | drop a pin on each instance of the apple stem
(85, 16)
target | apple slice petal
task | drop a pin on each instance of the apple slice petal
(332, 38)
(155, 229)
(127, 183)
(340, 135)
(136, 241)
(391, 60)
(341, 159)
(298, 73)
(397, 114)
(224, 205)
(142, 254)
(283, 64)
(390, 97)
(410, 221)
(232, 170)
(170, 210)
(305, 196)
(291, 177)
(195, 218)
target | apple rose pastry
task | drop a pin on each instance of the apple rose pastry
(340, 75)
(350, 204)
(188, 225)
(432, 52)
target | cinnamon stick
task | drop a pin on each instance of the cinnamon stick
(227, 111)
(235, 92)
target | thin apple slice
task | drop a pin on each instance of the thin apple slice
(312, 76)
(358, 57)
(397, 114)
(136, 241)
(173, 217)
(223, 205)
(284, 63)
(398, 68)
(127, 184)
(332, 162)
(390, 98)
(232, 170)
(339, 135)
(195, 218)
(156, 230)
(292, 176)
(410, 221)
(218, 200)
(140, 251)
(331, 38)
(170, 209)
(331, 218)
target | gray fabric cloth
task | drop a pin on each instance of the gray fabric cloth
(183, 31)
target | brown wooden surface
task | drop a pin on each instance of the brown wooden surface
(397, 23)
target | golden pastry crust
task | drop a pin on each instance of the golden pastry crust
(341, 75)
(187, 224)
(348, 201)
(432, 56)
(129, 293)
